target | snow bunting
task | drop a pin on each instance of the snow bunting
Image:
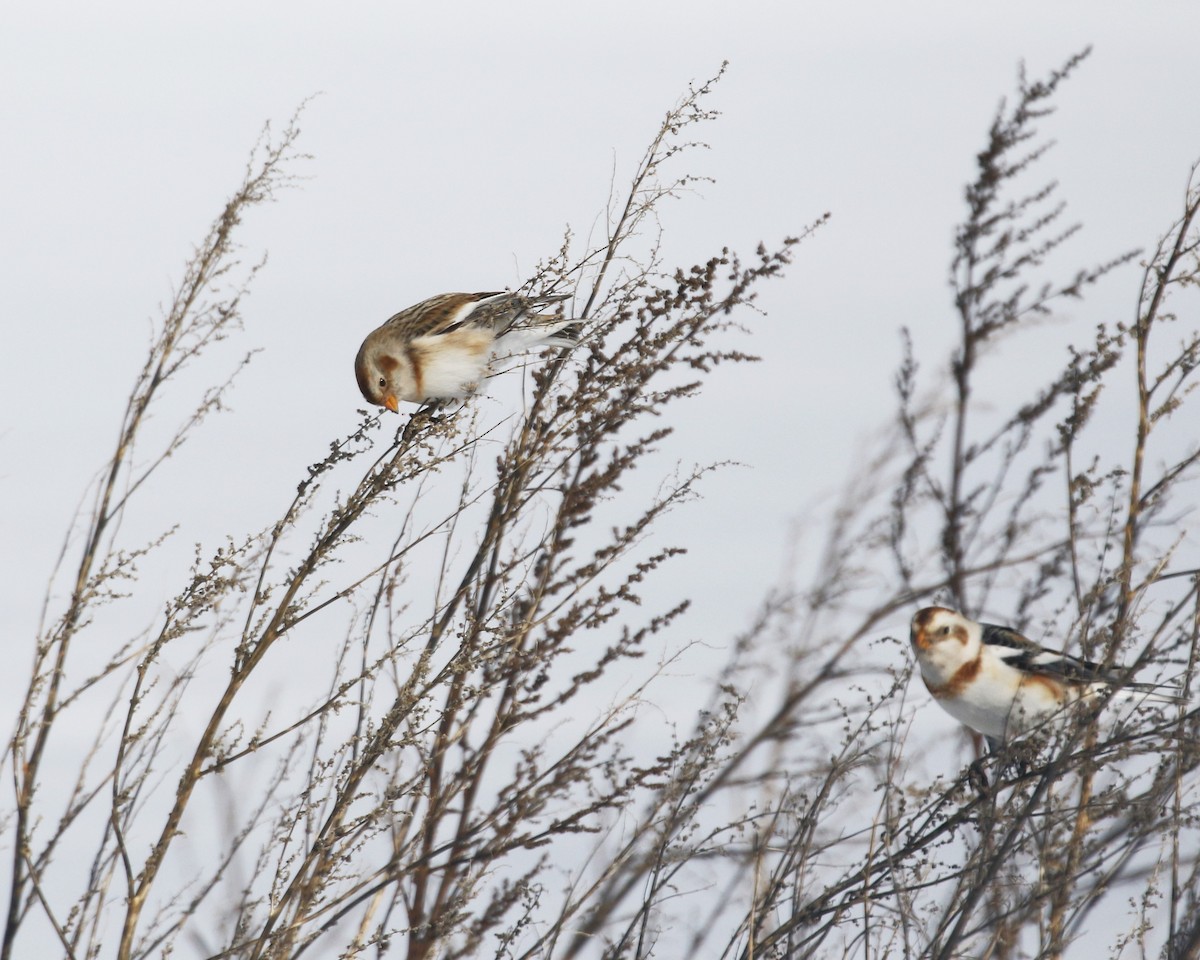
(442, 347)
(1001, 684)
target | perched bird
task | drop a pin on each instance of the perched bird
(1001, 684)
(442, 347)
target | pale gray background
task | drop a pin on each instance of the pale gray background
(451, 145)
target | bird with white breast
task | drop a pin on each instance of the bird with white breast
(441, 348)
(1002, 684)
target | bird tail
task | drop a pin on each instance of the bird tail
(530, 329)
(1148, 693)
(525, 339)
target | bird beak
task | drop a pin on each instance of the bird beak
(392, 403)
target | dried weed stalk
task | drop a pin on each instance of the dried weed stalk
(470, 782)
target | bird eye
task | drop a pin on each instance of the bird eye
(382, 383)
(945, 631)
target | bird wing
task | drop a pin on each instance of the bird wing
(440, 314)
(447, 312)
(1024, 654)
(1030, 657)
(503, 311)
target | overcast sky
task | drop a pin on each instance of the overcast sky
(451, 144)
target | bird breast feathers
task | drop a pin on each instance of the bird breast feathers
(451, 364)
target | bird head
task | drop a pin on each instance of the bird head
(943, 639)
(381, 374)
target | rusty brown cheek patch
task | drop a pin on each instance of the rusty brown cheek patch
(388, 363)
(963, 677)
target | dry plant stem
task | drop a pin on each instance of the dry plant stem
(431, 797)
(1162, 272)
(187, 329)
(645, 193)
(995, 250)
(1083, 868)
(1173, 933)
(380, 479)
(481, 578)
(1071, 857)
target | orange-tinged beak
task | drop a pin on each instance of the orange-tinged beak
(392, 403)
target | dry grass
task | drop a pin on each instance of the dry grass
(457, 792)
